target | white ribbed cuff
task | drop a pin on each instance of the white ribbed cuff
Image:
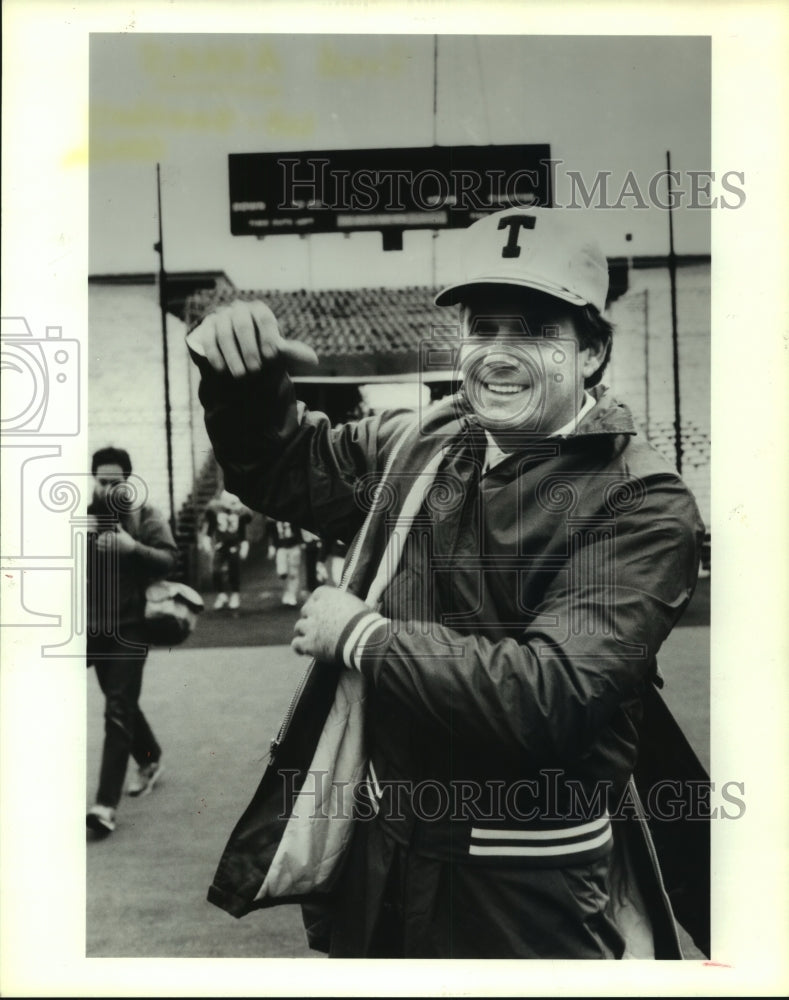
(357, 636)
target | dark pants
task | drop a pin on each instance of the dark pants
(393, 903)
(227, 558)
(126, 730)
(311, 566)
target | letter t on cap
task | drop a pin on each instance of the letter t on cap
(511, 248)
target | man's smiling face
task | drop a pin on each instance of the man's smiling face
(521, 365)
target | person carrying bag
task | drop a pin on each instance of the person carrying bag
(130, 547)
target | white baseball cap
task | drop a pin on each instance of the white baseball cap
(535, 248)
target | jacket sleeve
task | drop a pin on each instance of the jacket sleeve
(589, 648)
(285, 461)
(155, 553)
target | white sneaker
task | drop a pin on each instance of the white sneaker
(235, 601)
(101, 819)
(220, 602)
(289, 600)
(145, 779)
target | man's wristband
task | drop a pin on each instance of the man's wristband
(364, 632)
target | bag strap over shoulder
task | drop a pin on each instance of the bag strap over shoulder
(413, 501)
(394, 549)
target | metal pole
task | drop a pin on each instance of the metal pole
(646, 361)
(434, 234)
(168, 427)
(672, 273)
(435, 89)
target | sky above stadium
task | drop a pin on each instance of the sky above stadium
(602, 103)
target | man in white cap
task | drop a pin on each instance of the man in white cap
(506, 607)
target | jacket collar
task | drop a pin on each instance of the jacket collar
(607, 416)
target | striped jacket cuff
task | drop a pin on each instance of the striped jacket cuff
(564, 845)
(363, 633)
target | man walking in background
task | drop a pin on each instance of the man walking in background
(129, 546)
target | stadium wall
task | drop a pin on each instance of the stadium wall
(126, 388)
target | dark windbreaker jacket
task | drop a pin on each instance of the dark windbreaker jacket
(518, 636)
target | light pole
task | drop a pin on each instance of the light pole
(672, 273)
(168, 426)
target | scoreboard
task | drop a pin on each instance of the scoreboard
(390, 190)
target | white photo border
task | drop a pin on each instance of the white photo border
(45, 201)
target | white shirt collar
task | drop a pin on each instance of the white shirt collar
(571, 425)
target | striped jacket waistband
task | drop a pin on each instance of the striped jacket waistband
(539, 841)
(568, 842)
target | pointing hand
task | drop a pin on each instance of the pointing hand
(244, 337)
